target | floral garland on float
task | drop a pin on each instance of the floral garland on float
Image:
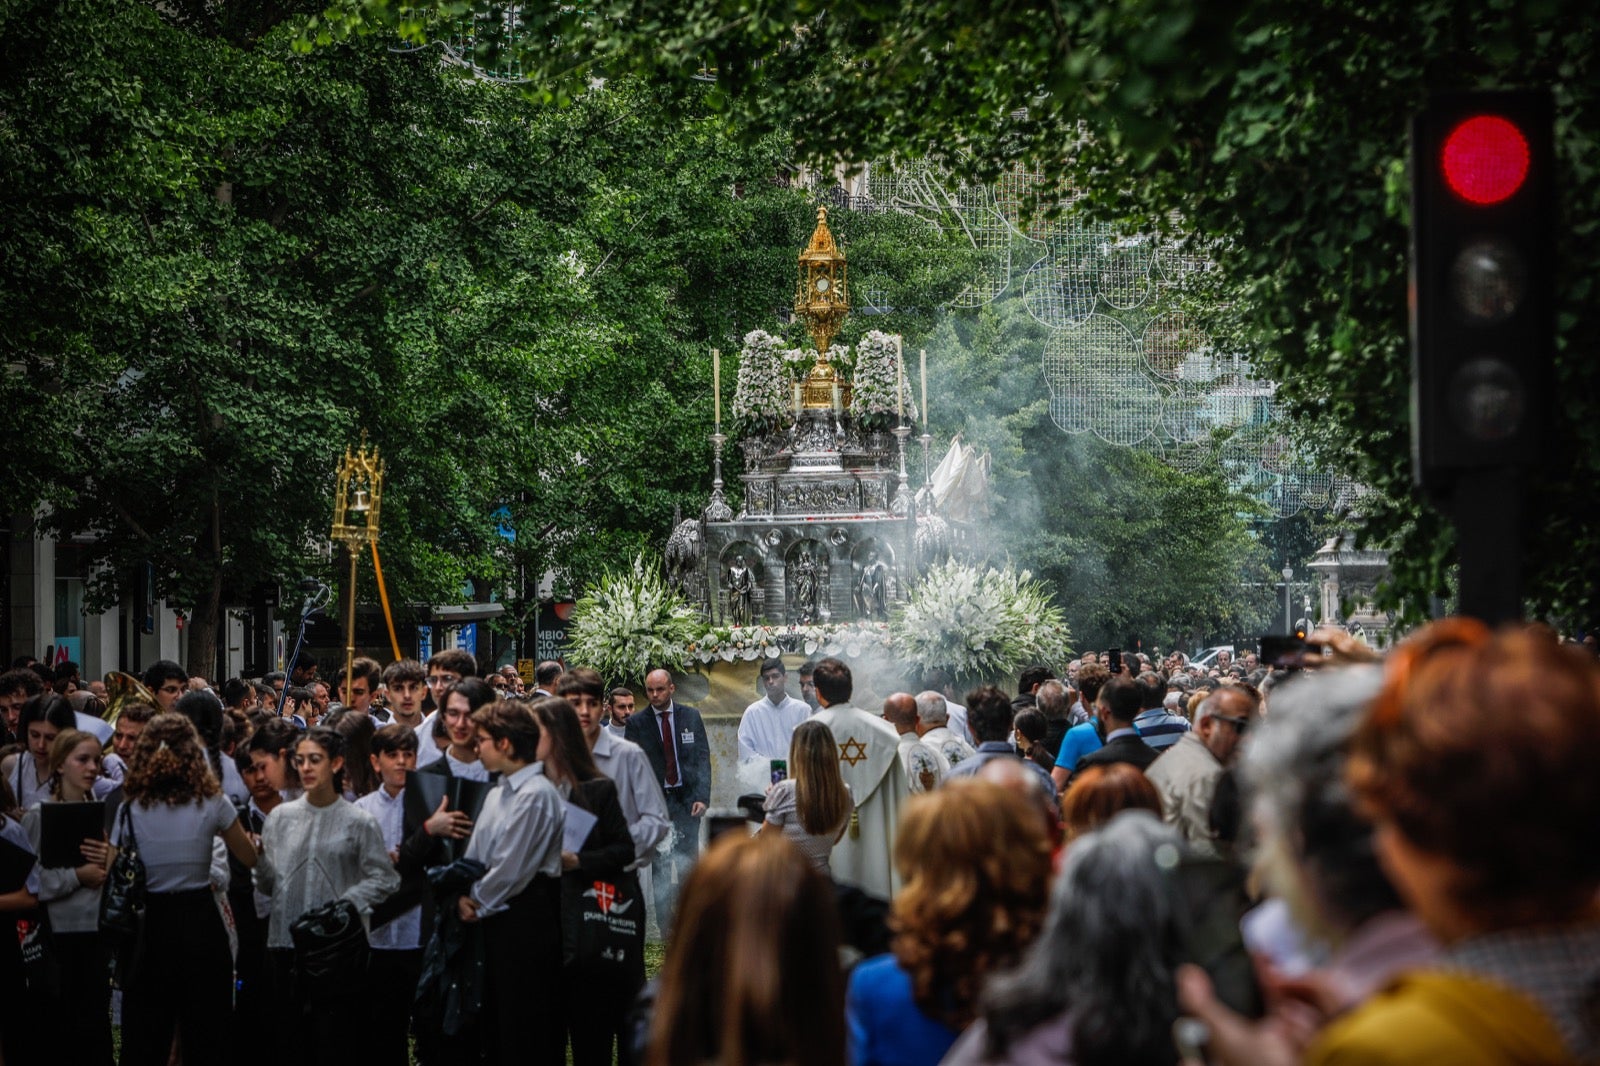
(878, 376)
(761, 395)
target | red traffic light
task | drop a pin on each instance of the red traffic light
(1485, 160)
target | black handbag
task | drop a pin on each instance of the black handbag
(330, 951)
(122, 900)
(602, 925)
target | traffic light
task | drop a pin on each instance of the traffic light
(1481, 251)
(1302, 628)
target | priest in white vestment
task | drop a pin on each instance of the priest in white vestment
(870, 764)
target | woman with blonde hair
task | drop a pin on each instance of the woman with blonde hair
(71, 895)
(812, 805)
(180, 979)
(976, 863)
(752, 972)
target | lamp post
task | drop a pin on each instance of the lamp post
(355, 522)
(1288, 576)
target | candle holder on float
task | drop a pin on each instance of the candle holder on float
(902, 495)
(717, 509)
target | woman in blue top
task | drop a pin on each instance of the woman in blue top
(976, 864)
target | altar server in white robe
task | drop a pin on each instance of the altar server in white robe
(768, 725)
(869, 760)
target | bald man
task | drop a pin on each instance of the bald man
(674, 740)
(924, 769)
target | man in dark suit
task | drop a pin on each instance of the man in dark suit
(674, 740)
(1120, 702)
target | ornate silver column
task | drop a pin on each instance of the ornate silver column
(902, 495)
(717, 510)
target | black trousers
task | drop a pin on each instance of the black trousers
(84, 1006)
(672, 864)
(182, 982)
(252, 1004)
(596, 1010)
(391, 988)
(327, 1031)
(521, 1022)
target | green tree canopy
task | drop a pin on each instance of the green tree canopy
(1274, 131)
(1133, 549)
(237, 259)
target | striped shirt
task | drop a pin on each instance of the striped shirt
(1159, 729)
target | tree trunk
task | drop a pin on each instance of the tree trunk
(205, 625)
(206, 622)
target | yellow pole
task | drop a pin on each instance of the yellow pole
(383, 596)
(350, 629)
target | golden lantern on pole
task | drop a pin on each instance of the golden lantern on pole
(355, 522)
(822, 300)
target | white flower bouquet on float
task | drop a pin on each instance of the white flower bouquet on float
(980, 624)
(631, 622)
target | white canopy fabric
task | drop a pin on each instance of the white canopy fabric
(961, 484)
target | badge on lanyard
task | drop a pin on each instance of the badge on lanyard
(687, 737)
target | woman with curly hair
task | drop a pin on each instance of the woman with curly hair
(1097, 988)
(180, 979)
(976, 864)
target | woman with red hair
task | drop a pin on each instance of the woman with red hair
(1476, 767)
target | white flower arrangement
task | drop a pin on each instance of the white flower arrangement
(762, 395)
(727, 643)
(980, 624)
(633, 622)
(876, 374)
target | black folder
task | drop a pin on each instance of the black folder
(424, 791)
(63, 827)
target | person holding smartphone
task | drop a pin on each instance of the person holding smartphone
(812, 805)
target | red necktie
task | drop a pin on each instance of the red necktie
(668, 749)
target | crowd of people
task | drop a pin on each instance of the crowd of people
(1355, 859)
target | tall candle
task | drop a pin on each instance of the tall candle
(924, 390)
(899, 382)
(797, 399)
(716, 383)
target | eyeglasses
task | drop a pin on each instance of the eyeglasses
(441, 679)
(1241, 724)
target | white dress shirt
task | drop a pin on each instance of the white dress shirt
(427, 750)
(767, 728)
(638, 792)
(472, 771)
(404, 933)
(518, 837)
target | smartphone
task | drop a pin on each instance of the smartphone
(1281, 652)
(724, 820)
(780, 770)
(1115, 655)
(1211, 900)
